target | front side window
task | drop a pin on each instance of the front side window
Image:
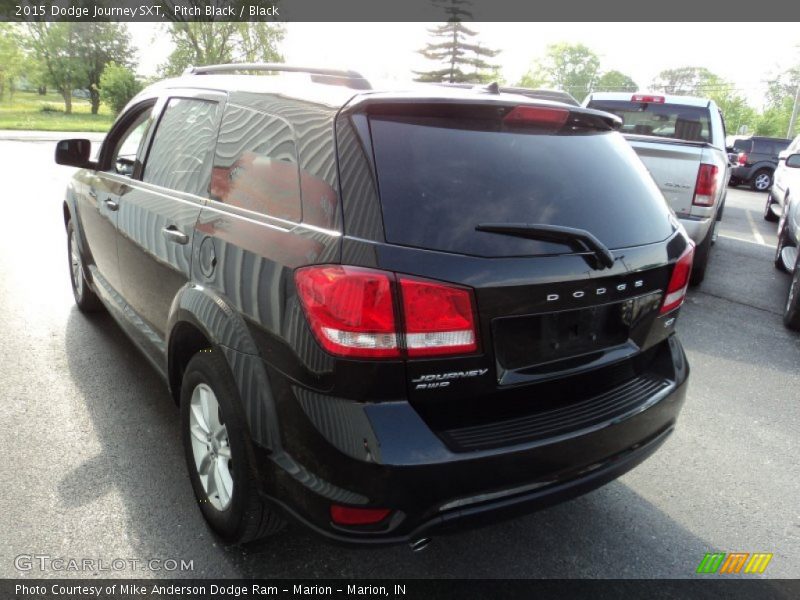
(255, 166)
(180, 155)
(128, 144)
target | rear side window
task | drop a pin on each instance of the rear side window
(438, 182)
(255, 165)
(770, 147)
(691, 123)
(180, 155)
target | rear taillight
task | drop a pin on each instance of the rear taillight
(648, 98)
(742, 158)
(541, 116)
(351, 310)
(438, 318)
(705, 189)
(679, 281)
(354, 312)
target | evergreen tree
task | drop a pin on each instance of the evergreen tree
(460, 57)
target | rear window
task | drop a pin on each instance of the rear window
(437, 183)
(742, 145)
(676, 121)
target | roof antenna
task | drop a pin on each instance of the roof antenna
(493, 88)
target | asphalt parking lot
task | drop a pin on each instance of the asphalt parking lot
(92, 465)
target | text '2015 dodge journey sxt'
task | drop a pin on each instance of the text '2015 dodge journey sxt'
(383, 313)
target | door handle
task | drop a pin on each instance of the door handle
(111, 205)
(92, 193)
(173, 234)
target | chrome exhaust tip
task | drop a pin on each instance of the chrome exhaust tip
(420, 544)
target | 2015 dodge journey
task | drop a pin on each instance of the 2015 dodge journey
(384, 312)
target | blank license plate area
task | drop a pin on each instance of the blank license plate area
(535, 339)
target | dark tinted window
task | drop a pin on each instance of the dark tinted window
(180, 155)
(437, 183)
(662, 120)
(255, 166)
(770, 147)
(743, 145)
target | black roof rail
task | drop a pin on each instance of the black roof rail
(345, 78)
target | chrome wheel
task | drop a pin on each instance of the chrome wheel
(762, 182)
(76, 268)
(211, 447)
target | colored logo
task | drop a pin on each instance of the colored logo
(734, 562)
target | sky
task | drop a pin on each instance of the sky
(748, 54)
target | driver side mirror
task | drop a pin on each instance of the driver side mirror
(73, 153)
(793, 161)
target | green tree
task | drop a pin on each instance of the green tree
(615, 81)
(202, 43)
(573, 68)
(11, 58)
(685, 81)
(102, 44)
(118, 85)
(460, 58)
(699, 81)
(780, 101)
(59, 49)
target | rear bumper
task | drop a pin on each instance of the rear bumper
(742, 173)
(386, 457)
(511, 503)
(696, 227)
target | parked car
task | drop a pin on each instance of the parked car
(756, 158)
(786, 251)
(384, 312)
(681, 141)
(773, 207)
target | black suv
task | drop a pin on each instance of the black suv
(755, 159)
(384, 312)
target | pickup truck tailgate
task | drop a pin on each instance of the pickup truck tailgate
(674, 165)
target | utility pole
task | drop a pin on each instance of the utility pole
(793, 120)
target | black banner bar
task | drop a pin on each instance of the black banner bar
(713, 587)
(396, 11)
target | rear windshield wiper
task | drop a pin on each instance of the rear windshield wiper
(577, 239)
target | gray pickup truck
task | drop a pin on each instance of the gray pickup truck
(681, 141)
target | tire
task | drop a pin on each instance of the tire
(761, 181)
(768, 214)
(701, 255)
(791, 313)
(777, 260)
(228, 491)
(85, 298)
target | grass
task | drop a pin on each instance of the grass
(29, 110)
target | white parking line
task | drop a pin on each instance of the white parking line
(756, 233)
(741, 239)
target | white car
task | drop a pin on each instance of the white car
(785, 179)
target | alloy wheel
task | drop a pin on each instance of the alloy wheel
(211, 447)
(762, 182)
(75, 263)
